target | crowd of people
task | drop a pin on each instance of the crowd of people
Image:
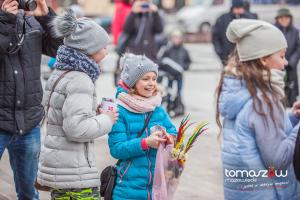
(252, 97)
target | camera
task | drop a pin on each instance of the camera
(27, 5)
(145, 6)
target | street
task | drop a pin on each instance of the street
(202, 177)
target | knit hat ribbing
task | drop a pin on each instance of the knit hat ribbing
(134, 67)
(255, 38)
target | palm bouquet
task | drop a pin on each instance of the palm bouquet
(170, 160)
(179, 152)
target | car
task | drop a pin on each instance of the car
(201, 15)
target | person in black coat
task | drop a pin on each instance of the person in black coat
(174, 59)
(24, 36)
(221, 44)
(284, 21)
(140, 28)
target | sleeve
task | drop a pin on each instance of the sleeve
(293, 118)
(187, 60)
(11, 32)
(129, 25)
(157, 25)
(217, 38)
(119, 145)
(50, 43)
(162, 53)
(79, 120)
(275, 145)
(294, 58)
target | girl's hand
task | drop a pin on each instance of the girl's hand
(169, 138)
(114, 114)
(296, 108)
(155, 139)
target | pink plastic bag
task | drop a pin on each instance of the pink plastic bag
(166, 174)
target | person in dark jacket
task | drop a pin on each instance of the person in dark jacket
(174, 59)
(247, 6)
(141, 25)
(284, 21)
(221, 44)
(23, 39)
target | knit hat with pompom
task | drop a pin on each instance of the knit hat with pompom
(82, 34)
(134, 67)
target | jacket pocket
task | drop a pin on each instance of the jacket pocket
(86, 153)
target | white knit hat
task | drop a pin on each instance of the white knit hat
(255, 38)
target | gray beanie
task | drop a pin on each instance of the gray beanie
(255, 38)
(82, 34)
(134, 67)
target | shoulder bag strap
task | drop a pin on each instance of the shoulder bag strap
(143, 129)
(52, 90)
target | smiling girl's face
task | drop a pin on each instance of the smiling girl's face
(147, 85)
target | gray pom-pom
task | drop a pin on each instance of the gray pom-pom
(64, 25)
(124, 58)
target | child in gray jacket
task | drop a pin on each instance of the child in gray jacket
(67, 161)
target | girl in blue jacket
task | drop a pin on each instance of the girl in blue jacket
(258, 136)
(137, 96)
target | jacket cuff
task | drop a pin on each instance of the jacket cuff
(144, 145)
(105, 123)
(293, 118)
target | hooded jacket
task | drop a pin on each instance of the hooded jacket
(254, 143)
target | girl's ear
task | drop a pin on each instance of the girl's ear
(263, 61)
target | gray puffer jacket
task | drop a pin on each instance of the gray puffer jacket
(67, 158)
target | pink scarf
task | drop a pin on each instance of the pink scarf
(138, 104)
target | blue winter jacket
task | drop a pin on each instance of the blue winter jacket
(252, 144)
(135, 173)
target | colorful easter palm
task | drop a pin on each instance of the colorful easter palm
(170, 160)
